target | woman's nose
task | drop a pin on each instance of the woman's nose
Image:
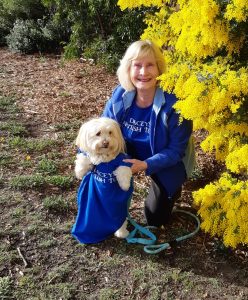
(142, 70)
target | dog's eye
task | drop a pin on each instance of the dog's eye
(98, 133)
(110, 132)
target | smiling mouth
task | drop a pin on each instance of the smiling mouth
(144, 80)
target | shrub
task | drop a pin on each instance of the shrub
(23, 9)
(26, 37)
(5, 27)
(55, 33)
(223, 208)
(99, 50)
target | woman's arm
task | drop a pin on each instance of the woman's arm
(178, 138)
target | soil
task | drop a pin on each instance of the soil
(52, 92)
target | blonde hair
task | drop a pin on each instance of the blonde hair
(136, 50)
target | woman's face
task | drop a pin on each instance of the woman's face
(143, 72)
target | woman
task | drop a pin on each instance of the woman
(156, 140)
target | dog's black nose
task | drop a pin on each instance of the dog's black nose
(105, 144)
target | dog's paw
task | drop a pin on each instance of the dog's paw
(122, 232)
(82, 165)
(123, 175)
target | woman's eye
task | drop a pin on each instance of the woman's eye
(98, 133)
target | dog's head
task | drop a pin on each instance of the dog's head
(101, 137)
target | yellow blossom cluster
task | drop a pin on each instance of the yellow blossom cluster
(237, 10)
(205, 50)
(237, 161)
(124, 4)
(224, 209)
(199, 31)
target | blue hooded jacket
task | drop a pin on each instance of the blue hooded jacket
(173, 155)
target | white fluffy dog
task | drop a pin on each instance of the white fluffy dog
(100, 141)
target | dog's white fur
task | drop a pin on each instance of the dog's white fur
(101, 140)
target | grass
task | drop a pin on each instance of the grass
(18, 212)
(56, 204)
(8, 104)
(48, 243)
(59, 273)
(6, 287)
(13, 128)
(27, 181)
(47, 166)
(74, 125)
(6, 159)
(61, 181)
(31, 144)
(109, 294)
(40, 181)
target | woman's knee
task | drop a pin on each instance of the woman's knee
(158, 206)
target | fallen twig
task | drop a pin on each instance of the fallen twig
(22, 257)
(31, 111)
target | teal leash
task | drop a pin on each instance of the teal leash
(149, 240)
(154, 249)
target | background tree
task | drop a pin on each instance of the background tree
(205, 48)
(98, 29)
(92, 28)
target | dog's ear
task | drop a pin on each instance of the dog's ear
(81, 138)
(121, 142)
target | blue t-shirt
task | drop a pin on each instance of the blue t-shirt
(136, 131)
(102, 204)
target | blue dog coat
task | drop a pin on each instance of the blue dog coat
(102, 204)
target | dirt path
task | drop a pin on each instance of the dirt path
(55, 90)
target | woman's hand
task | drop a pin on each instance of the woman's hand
(137, 165)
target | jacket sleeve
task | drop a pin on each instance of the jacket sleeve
(178, 138)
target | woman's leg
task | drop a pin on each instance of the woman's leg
(158, 206)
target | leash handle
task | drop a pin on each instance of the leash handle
(150, 237)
